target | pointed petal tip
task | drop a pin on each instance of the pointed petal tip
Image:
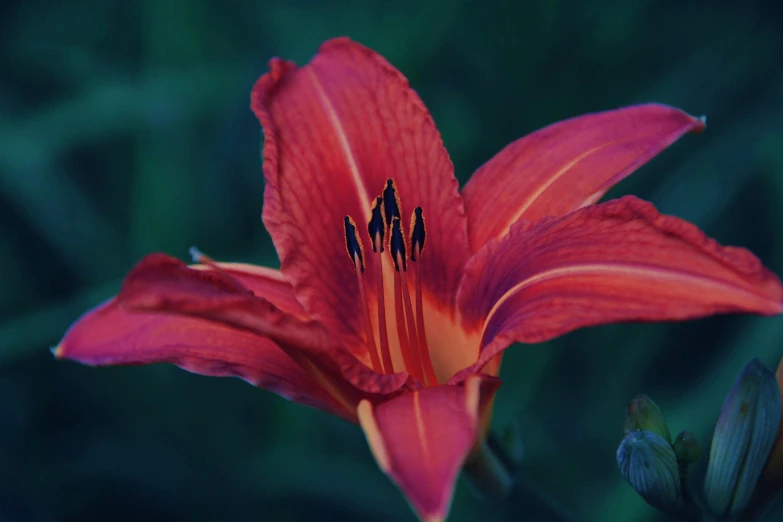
(568, 165)
(697, 123)
(421, 439)
(57, 351)
(195, 254)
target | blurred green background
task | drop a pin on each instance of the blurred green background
(125, 129)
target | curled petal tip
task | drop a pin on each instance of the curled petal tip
(421, 440)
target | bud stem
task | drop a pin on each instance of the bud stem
(761, 502)
(488, 476)
(491, 479)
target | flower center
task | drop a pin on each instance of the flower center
(411, 334)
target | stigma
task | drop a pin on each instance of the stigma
(388, 238)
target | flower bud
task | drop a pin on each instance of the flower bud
(774, 469)
(643, 414)
(687, 448)
(744, 435)
(648, 463)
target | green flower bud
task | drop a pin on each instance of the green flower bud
(643, 414)
(773, 472)
(648, 463)
(743, 439)
(687, 448)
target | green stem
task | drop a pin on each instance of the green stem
(490, 477)
(691, 510)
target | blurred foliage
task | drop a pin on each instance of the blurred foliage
(125, 129)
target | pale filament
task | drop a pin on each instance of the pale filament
(429, 370)
(388, 367)
(376, 362)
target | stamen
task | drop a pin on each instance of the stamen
(411, 362)
(418, 235)
(402, 301)
(356, 252)
(377, 229)
(386, 221)
(353, 244)
(391, 202)
(414, 339)
(399, 251)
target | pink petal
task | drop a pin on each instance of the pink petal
(567, 165)
(160, 283)
(264, 282)
(110, 335)
(335, 130)
(421, 439)
(614, 262)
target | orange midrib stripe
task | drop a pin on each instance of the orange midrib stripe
(421, 430)
(599, 269)
(325, 382)
(334, 120)
(549, 182)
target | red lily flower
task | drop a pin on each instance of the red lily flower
(401, 328)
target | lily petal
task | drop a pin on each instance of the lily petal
(614, 262)
(110, 335)
(264, 282)
(335, 130)
(421, 439)
(159, 283)
(567, 165)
